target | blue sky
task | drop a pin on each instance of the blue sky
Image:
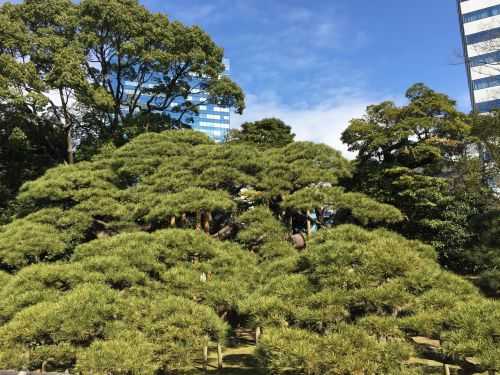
(318, 63)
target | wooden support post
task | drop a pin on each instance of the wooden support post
(198, 220)
(172, 221)
(308, 213)
(207, 219)
(203, 277)
(219, 355)
(205, 356)
(446, 369)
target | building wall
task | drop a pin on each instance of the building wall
(212, 120)
(480, 25)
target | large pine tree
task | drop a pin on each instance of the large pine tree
(138, 259)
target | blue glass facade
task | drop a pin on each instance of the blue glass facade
(484, 83)
(486, 59)
(212, 119)
(482, 14)
(483, 36)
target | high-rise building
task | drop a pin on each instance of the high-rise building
(212, 119)
(480, 25)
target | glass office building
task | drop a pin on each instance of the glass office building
(480, 26)
(211, 119)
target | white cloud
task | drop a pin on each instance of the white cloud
(322, 123)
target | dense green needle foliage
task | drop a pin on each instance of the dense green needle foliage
(136, 260)
(352, 298)
(270, 132)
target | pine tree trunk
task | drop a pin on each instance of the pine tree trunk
(258, 333)
(172, 221)
(219, 355)
(308, 213)
(68, 128)
(446, 369)
(184, 219)
(69, 146)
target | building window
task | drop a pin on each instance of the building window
(483, 36)
(482, 13)
(221, 109)
(488, 58)
(485, 83)
(488, 106)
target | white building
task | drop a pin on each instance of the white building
(480, 24)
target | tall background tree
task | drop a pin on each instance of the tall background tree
(487, 130)
(422, 158)
(94, 72)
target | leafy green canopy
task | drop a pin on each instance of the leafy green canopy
(103, 271)
(66, 70)
(420, 158)
(487, 129)
(28, 146)
(72, 63)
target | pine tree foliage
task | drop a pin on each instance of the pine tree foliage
(365, 293)
(134, 261)
(269, 132)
